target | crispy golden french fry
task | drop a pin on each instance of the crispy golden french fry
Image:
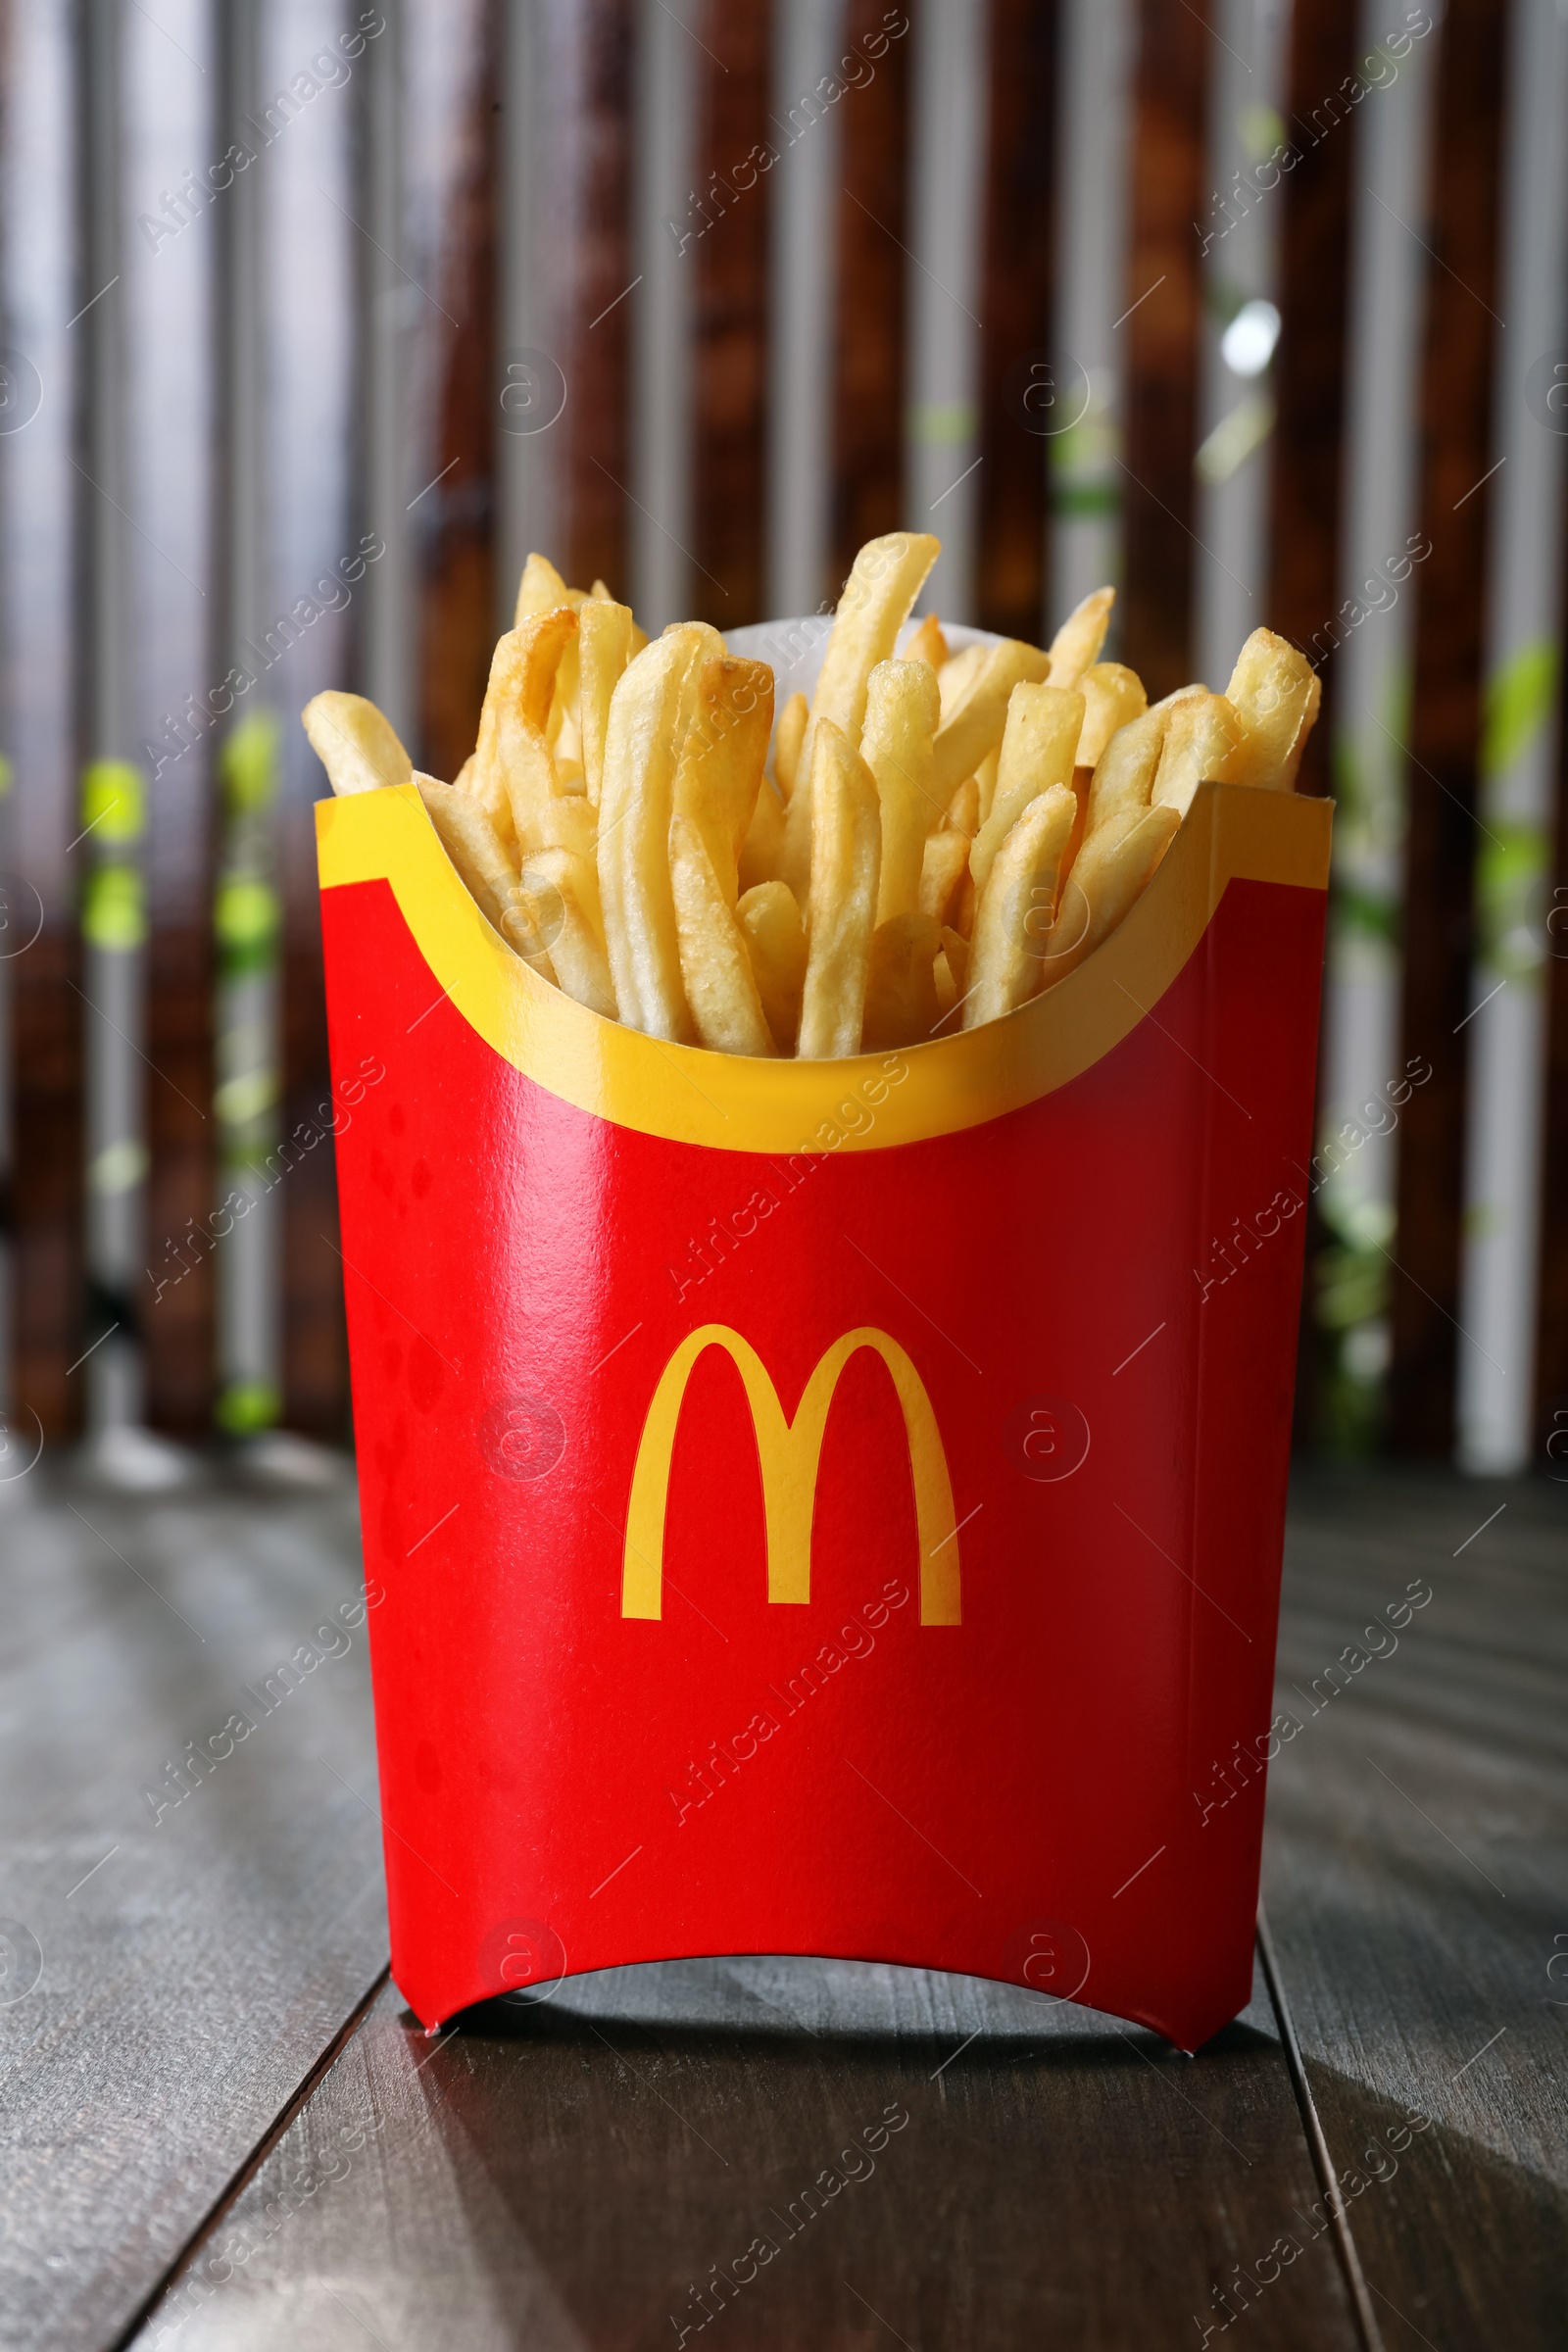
(714, 961)
(603, 594)
(561, 891)
(1016, 908)
(974, 724)
(956, 948)
(462, 781)
(513, 770)
(642, 750)
(356, 743)
(895, 743)
(1112, 694)
(927, 645)
(787, 745)
(846, 853)
(985, 775)
(947, 987)
(1043, 727)
(886, 578)
(720, 769)
(1202, 735)
(541, 588)
(1078, 641)
(775, 938)
(1271, 688)
(1309, 720)
(1124, 776)
(1108, 873)
(763, 850)
(471, 842)
(955, 675)
(963, 811)
(603, 648)
(944, 868)
(902, 1005)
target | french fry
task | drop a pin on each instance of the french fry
(787, 747)
(470, 841)
(541, 588)
(955, 950)
(561, 891)
(963, 811)
(1108, 873)
(943, 869)
(603, 648)
(763, 850)
(775, 938)
(715, 964)
(1124, 776)
(1112, 694)
(721, 759)
(985, 775)
(956, 674)
(902, 1005)
(512, 759)
(846, 853)
(1016, 908)
(896, 743)
(636, 803)
(927, 645)
(1201, 736)
(1271, 688)
(974, 724)
(356, 743)
(1309, 720)
(1078, 641)
(1042, 728)
(887, 576)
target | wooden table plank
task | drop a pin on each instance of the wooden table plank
(1417, 1882)
(193, 1970)
(570, 2175)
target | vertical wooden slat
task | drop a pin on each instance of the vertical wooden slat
(37, 492)
(1445, 720)
(170, 390)
(728, 254)
(1164, 281)
(455, 542)
(868, 335)
(1309, 446)
(1309, 363)
(1017, 305)
(1551, 1325)
(597, 350)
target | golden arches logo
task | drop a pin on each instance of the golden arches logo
(788, 1453)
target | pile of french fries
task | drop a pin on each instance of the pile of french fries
(938, 836)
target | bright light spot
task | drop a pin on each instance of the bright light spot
(1247, 343)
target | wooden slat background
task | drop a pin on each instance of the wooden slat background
(590, 48)
(1456, 452)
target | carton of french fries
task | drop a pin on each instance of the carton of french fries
(822, 1272)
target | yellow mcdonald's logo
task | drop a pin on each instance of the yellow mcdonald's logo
(788, 1453)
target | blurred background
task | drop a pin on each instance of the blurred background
(317, 318)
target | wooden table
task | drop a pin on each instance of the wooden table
(221, 2127)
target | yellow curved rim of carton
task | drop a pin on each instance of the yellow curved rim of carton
(868, 1101)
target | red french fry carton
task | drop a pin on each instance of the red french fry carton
(828, 1507)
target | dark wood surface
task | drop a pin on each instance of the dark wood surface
(1417, 1887)
(195, 1969)
(222, 2128)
